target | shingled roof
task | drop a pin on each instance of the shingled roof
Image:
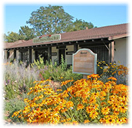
(109, 32)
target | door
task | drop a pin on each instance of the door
(61, 53)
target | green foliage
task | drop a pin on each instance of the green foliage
(100, 66)
(18, 79)
(105, 70)
(49, 20)
(39, 63)
(11, 37)
(63, 64)
(26, 33)
(80, 25)
(11, 92)
(14, 105)
(56, 73)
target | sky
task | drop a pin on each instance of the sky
(16, 15)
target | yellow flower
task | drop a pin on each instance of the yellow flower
(93, 114)
(105, 110)
(105, 101)
(110, 121)
(59, 90)
(16, 113)
(123, 109)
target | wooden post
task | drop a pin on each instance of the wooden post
(49, 54)
(14, 54)
(75, 47)
(8, 54)
(21, 56)
(111, 52)
(30, 55)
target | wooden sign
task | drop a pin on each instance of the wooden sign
(54, 37)
(84, 62)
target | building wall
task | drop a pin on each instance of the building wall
(121, 51)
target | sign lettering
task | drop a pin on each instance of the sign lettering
(55, 37)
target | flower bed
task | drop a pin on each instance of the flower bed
(83, 102)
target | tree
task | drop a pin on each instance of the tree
(50, 20)
(80, 25)
(11, 37)
(26, 33)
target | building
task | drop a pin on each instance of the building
(109, 42)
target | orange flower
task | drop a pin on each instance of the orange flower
(102, 120)
(74, 122)
(69, 104)
(86, 121)
(63, 110)
(80, 106)
(92, 100)
(93, 76)
(103, 93)
(112, 78)
(66, 82)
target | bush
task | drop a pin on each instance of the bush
(85, 102)
(18, 79)
(57, 73)
(120, 72)
(14, 105)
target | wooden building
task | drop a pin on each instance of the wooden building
(110, 44)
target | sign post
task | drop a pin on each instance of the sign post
(84, 62)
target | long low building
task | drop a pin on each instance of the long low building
(109, 42)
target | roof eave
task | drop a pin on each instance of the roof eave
(118, 36)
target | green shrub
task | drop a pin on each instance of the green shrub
(120, 72)
(14, 105)
(58, 73)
